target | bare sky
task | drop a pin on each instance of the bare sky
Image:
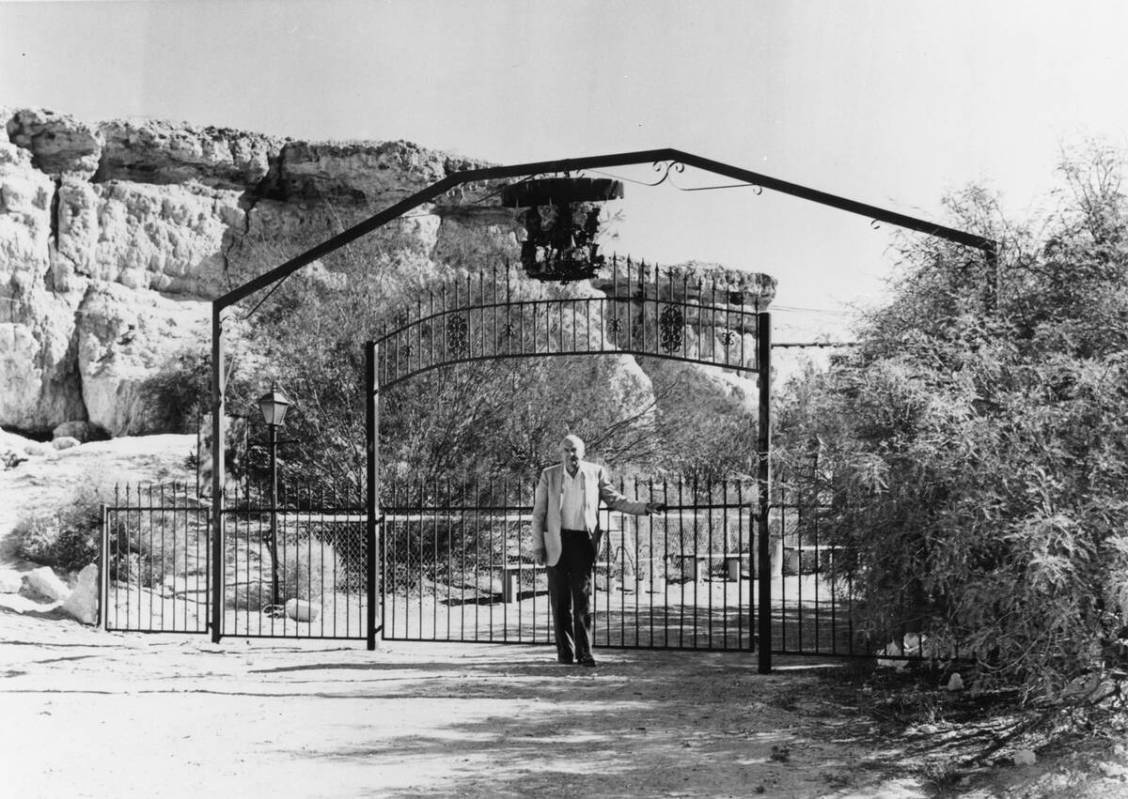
(891, 102)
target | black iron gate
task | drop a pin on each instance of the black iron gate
(712, 318)
(455, 568)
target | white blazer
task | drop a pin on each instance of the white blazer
(594, 486)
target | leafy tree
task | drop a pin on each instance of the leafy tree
(978, 439)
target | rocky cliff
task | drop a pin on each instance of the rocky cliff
(115, 237)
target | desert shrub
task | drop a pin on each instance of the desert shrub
(178, 392)
(350, 549)
(306, 570)
(67, 538)
(978, 442)
(147, 570)
(145, 549)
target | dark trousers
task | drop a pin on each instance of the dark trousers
(569, 592)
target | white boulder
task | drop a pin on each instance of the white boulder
(301, 610)
(11, 581)
(44, 583)
(82, 604)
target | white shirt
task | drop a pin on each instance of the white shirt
(572, 501)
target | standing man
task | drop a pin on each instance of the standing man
(566, 538)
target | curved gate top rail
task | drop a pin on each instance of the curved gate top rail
(684, 313)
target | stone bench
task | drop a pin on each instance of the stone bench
(510, 578)
(796, 558)
(695, 566)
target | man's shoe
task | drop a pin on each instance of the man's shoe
(565, 661)
(588, 661)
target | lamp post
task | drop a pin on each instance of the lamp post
(273, 406)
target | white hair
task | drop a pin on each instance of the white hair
(577, 442)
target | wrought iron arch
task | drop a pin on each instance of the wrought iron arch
(667, 159)
(636, 309)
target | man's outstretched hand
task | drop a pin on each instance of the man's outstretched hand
(655, 507)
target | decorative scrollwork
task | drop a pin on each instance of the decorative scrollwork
(728, 338)
(615, 325)
(509, 330)
(671, 322)
(458, 335)
(666, 167)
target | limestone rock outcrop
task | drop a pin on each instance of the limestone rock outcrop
(59, 144)
(360, 173)
(162, 153)
(123, 338)
(116, 236)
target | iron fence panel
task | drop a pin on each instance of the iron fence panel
(297, 570)
(155, 561)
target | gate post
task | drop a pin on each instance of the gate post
(763, 485)
(104, 569)
(372, 434)
(218, 409)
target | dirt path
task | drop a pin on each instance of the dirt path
(103, 714)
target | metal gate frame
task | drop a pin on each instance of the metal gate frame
(669, 158)
(643, 312)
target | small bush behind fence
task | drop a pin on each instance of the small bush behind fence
(813, 534)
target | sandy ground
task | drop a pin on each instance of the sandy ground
(100, 714)
(94, 714)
